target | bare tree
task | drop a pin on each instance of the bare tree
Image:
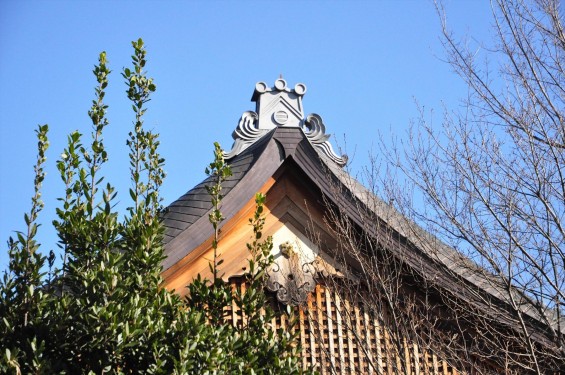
(400, 297)
(492, 177)
(490, 296)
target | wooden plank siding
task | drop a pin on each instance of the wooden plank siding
(340, 336)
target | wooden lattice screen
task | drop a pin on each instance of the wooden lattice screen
(339, 336)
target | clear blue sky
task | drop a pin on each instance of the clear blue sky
(364, 64)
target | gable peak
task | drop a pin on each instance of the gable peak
(276, 107)
(279, 105)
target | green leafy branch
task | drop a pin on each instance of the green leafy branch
(21, 296)
(143, 144)
(219, 170)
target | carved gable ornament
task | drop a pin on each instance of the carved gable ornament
(280, 106)
(297, 263)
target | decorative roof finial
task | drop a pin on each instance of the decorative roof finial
(280, 106)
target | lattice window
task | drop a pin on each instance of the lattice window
(339, 336)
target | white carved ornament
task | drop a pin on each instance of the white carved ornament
(245, 134)
(316, 134)
(282, 102)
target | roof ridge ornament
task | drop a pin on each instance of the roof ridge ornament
(320, 140)
(245, 134)
(280, 106)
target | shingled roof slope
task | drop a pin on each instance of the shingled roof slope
(196, 202)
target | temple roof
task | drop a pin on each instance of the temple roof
(278, 136)
(279, 118)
